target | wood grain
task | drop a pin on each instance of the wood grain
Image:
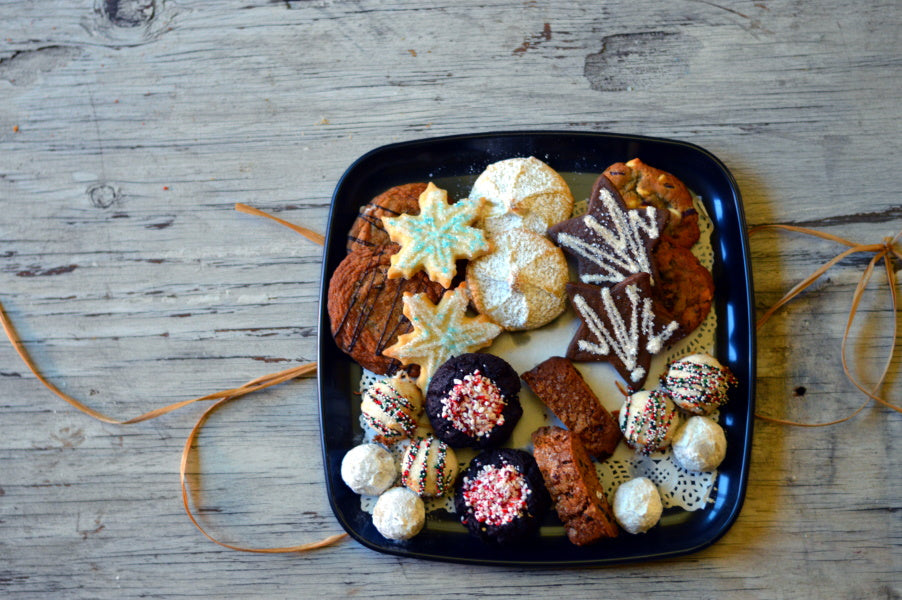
(130, 128)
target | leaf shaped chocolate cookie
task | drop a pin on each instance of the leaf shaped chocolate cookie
(610, 242)
(619, 325)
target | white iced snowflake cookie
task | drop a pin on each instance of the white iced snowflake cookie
(637, 505)
(700, 445)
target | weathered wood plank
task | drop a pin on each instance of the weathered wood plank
(129, 128)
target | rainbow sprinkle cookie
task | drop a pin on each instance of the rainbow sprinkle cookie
(435, 239)
(698, 383)
(649, 420)
(440, 332)
(429, 467)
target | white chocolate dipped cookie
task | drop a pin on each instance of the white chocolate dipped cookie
(521, 193)
(522, 284)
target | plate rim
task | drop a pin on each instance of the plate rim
(324, 337)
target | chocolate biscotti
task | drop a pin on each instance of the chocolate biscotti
(562, 388)
(571, 479)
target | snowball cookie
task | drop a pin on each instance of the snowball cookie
(390, 408)
(700, 445)
(698, 383)
(399, 514)
(369, 469)
(429, 467)
(648, 420)
(521, 193)
(637, 505)
(522, 283)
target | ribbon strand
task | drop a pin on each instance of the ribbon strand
(220, 397)
(885, 251)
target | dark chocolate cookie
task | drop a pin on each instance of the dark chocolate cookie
(365, 307)
(367, 231)
(610, 242)
(473, 400)
(619, 325)
(501, 496)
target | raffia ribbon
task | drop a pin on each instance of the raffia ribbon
(220, 398)
(886, 251)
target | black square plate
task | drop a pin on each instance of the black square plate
(465, 156)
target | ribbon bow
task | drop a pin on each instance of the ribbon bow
(886, 251)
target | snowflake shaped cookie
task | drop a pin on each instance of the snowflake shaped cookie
(440, 331)
(435, 239)
(619, 325)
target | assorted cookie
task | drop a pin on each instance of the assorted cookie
(637, 505)
(562, 388)
(473, 400)
(648, 420)
(501, 497)
(434, 240)
(522, 283)
(440, 331)
(521, 193)
(620, 325)
(368, 231)
(640, 289)
(390, 408)
(641, 185)
(365, 307)
(572, 481)
(428, 467)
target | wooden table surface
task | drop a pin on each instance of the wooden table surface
(130, 128)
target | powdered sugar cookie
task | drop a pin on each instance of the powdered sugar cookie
(521, 193)
(522, 283)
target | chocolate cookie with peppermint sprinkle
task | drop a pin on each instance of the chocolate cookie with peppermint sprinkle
(473, 400)
(501, 496)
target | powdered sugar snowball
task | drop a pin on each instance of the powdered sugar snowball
(637, 505)
(700, 445)
(399, 514)
(369, 469)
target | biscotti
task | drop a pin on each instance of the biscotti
(562, 388)
(573, 483)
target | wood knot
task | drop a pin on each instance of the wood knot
(103, 195)
(128, 13)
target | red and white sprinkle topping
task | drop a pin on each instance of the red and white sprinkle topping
(474, 405)
(497, 495)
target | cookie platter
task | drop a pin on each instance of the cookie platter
(454, 162)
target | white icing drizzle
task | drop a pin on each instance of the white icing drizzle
(622, 338)
(622, 251)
